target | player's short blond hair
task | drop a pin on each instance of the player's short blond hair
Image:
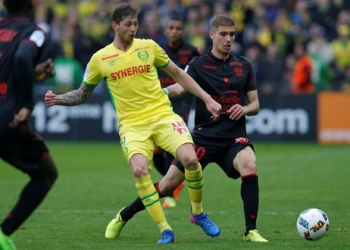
(221, 20)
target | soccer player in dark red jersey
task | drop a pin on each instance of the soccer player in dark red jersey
(181, 53)
(230, 80)
(21, 44)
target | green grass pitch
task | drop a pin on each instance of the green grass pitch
(95, 182)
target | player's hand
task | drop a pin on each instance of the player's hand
(44, 70)
(21, 118)
(50, 98)
(214, 108)
(236, 112)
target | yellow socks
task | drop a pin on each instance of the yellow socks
(150, 199)
(194, 181)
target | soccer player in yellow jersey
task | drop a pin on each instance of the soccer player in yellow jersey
(128, 67)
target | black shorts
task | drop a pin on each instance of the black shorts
(218, 150)
(23, 149)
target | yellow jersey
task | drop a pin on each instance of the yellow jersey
(132, 80)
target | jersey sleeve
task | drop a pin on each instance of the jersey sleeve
(26, 57)
(161, 58)
(38, 37)
(190, 69)
(92, 75)
(251, 81)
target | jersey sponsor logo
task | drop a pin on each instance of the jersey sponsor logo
(7, 35)
(104, 58)
(143, 55)
(3, 89)
(210, 67)
(228, 99)
(142, 48)
(242, 140)
(238, 71)
(38, 37)
(180, 127)
(236, 64)
(135, 70)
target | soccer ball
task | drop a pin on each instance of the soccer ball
(312, 224)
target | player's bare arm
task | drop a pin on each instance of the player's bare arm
(72, 98)
(187, 82)
(237, 111)
(175, 90)
(44, 70)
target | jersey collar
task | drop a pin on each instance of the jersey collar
(215, 59)
(12, 17)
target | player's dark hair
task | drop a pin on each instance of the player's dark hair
(123, 10)
(221, 20)
(173, 17)
(18, 5)
(176, 17)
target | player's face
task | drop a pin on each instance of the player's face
(126, 29)
(174, 31)
(223, 38)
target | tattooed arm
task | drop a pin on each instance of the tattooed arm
(72, 98)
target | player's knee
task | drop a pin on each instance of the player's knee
(251, 167)
(139, 165)
(52, 175)
(248, 167)
(190, 161)
(48, 169)
(139, 171)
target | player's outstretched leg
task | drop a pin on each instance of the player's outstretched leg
(117, 224)
(208, 226)
(115, 227)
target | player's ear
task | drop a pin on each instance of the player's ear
(211, 34)
(114, 25)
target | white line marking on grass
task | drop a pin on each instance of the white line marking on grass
(289, 213)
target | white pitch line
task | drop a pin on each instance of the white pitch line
(288, 213)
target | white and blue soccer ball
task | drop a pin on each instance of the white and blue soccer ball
(312, 224)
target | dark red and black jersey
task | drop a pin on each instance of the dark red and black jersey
(16, 82)
(181, 56)
(227, 82)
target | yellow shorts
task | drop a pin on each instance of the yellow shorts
(166, 130)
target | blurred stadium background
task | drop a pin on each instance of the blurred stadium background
(275, 35)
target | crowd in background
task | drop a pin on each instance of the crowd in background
(289, 42)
